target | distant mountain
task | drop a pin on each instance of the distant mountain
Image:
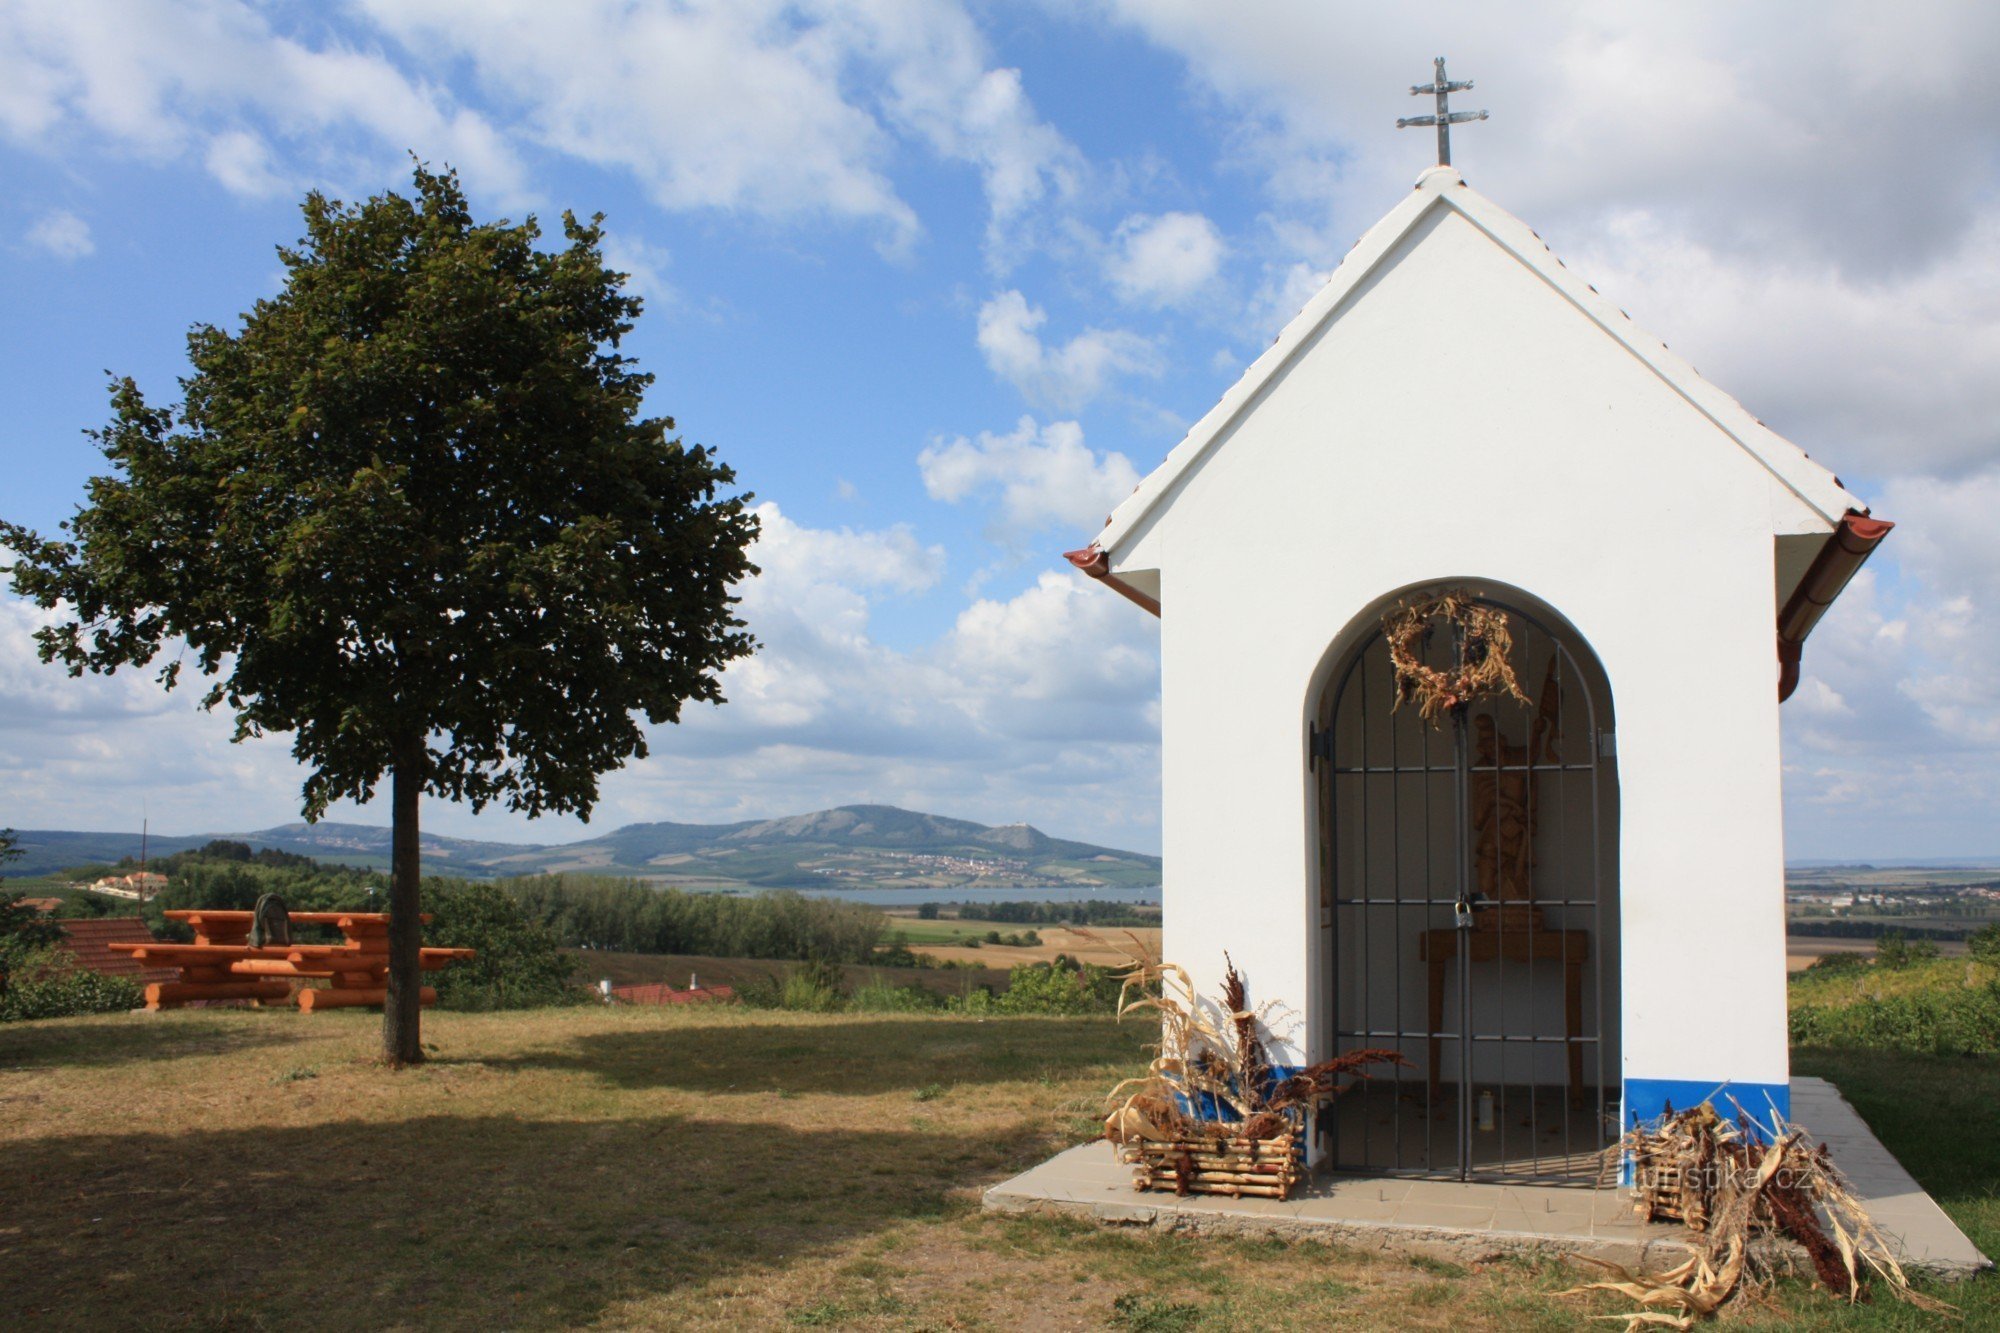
(856, 845)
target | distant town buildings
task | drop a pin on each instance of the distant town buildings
(139, 884)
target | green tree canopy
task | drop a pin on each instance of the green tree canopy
(411, 513)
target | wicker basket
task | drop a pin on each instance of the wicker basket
(1257, 1168)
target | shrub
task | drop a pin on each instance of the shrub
(517, 963)
(1837, 965)
(813, 986)
(1956, 1021)
(881, 998)
(1061, 987)
(1897, 951)
(1984, 944)
(45, 982)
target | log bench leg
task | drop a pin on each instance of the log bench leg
(174, 994)
(348, 997)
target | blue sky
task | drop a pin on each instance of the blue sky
(942, 280)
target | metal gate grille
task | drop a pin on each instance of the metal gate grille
(1467, 921)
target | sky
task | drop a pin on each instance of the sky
(942, 280)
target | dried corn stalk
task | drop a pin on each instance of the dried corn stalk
(1732, 1186)
(1485, 646)
(1214, 1058)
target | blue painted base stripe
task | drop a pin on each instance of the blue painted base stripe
(1647, 1099)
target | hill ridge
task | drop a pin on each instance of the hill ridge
(857, 845)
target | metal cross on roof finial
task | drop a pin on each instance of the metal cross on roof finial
(1445, 117)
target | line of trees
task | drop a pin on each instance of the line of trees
(590, 912)
(1845, 929)
(1095, 912)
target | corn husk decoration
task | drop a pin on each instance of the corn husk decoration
(1214, 1057)
(1485, 649)
(1733, 1186)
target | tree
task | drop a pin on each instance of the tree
(411, 514)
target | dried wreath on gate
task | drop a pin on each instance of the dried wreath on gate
(1485, 643)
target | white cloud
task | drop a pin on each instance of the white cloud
(1040, 706)
(1878, 375)
(241, 161)
(102, 751)
(644, 266)
(1802, 208)
(166, 81)
(794, 556)
(1063, 377)
(1893, 738)
(1045, 476)
(727, 106)
(1166, 260)
(1061, 660)
(63, 234)
(937, 86)
(783, 110)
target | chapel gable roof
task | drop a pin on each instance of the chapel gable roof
(1821, 500)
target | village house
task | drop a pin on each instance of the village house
(1562, 900)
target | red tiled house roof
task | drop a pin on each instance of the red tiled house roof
(88, 940)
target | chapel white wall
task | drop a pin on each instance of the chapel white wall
(1459, 421)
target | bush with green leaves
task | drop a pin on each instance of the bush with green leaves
(1064, 986)
(517, 963)
(1959, 1020)
(879, 997)
(1897, 951)
(45, 982)
(1835, 965)
(1984, 944)
(814, 986)
(25, 934)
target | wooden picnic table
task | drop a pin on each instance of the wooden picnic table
(222, 965)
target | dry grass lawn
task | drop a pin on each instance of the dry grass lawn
(624, 1168)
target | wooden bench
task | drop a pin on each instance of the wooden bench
(222, 965)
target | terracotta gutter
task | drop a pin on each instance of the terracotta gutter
(1851, 543)
(1097, 564)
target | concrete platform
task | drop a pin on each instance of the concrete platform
(1449, 1220)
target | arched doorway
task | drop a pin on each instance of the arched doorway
(1469, 911)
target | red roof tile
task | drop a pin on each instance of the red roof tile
(88, 940)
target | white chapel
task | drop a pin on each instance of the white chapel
(1562, 901)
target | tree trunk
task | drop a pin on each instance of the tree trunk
(402, 1011)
